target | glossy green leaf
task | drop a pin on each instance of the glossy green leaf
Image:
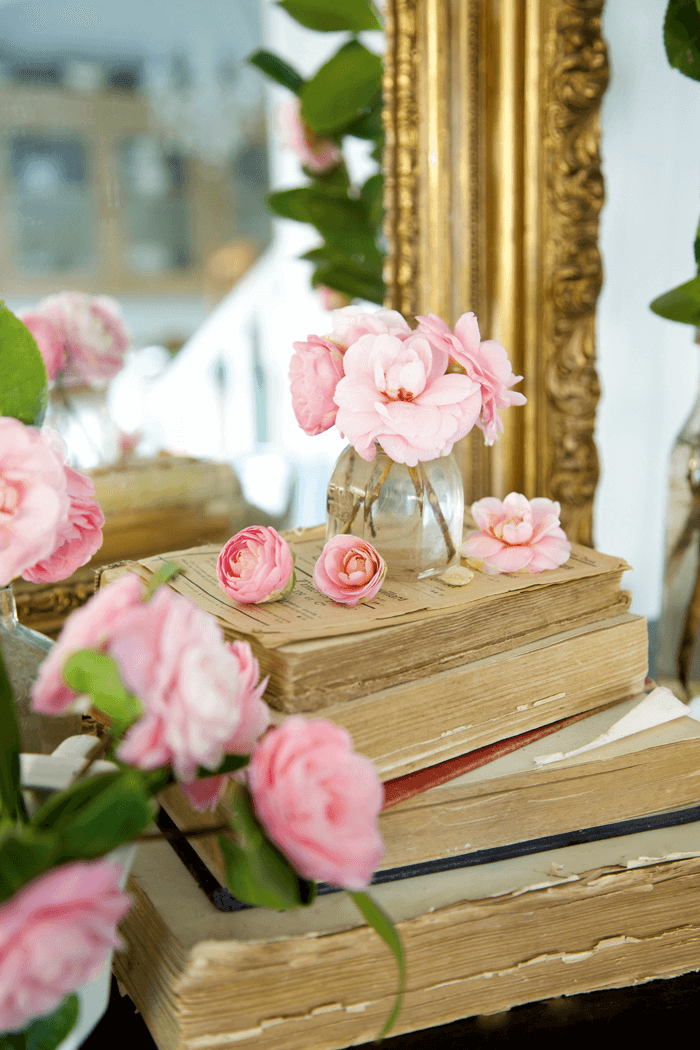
(97, 675)
(256, 872)
(166, 572)
(46, 1033)
(278, 70)
(369, 125)
(681, 303)
(11, 804)
(352, 281)
(373, 194)
(327, 16)
(23, 381)
(24, 854)
(340, 90)
(64, 806)
(341, 221)
(682, 37)
(381, 922)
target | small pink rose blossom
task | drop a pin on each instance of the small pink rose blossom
(315, 152)
(485, 362)
(352, 322)
(349, 570)
(56, 933)
(314, 372)
(81, 534)
(256, 565)
(330, 299)
(204, 794)
(517, 535)
(92, 332)
(396, 392)
(48, 339)
(34, 502)
(318, 801)
(90, 627)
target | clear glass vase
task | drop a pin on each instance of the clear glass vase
(412, 515)
(81, 416)
(22, 652)
(678, 654)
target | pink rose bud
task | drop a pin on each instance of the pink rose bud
(314, 373)
(318, 801)
(517, 535)
(349, 570)
(49, 340)
(56, 934)
(317, 153)
(256, 565)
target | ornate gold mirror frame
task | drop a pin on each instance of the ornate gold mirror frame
(493, 191)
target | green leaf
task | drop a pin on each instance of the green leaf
(681, 303)
(23, 381)
(24, 854)
(385, 928)
(352, 281)
(373, 194)
(11, 804)
(682, 37)
(340, 90)
(229, 765)
(278, 70)
(327, 16)
(46, 1033)
(257, 872)
(341, 221)
(97, 675)
(369, 125)
(166, 572)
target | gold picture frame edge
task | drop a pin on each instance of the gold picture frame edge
(493, 190)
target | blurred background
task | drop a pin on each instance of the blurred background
(136, 147)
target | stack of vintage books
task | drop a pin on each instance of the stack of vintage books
(512, 844)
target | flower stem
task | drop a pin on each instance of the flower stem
(374, 495)
(440, 517)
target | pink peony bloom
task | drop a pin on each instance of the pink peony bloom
(314, 372)
(256, 565)
(90, 627)
(92, 332)
(352, 322)
(200, 696)
(396, 392)
(487, 363)
(318, 801)
(330, 299)
(349, 570)
(517, 535)
(81, 534)
(315, 152)
(48, 339)
(56, 934)
(34, 502)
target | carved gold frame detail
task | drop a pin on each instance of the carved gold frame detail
(493, 190)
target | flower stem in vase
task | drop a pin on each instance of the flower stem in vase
(374, 496)
(440, 517)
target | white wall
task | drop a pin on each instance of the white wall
(648, 366)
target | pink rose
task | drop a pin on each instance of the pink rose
(517, 535)
(81, 534)
(487, 363)
(256, 565)
(56, 934)
(330, 299)
(318, 801)
(315, 152)
(90, 627)
(396, 392)
(92, 332)
(48, 339)
(314, 372)
(349, 570)
(352, 322)
(34, 501)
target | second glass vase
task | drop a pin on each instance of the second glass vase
(412, 515)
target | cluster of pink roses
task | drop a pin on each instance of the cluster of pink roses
(82, 338)
(257, 565)
(50, 522)
(414, 392)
